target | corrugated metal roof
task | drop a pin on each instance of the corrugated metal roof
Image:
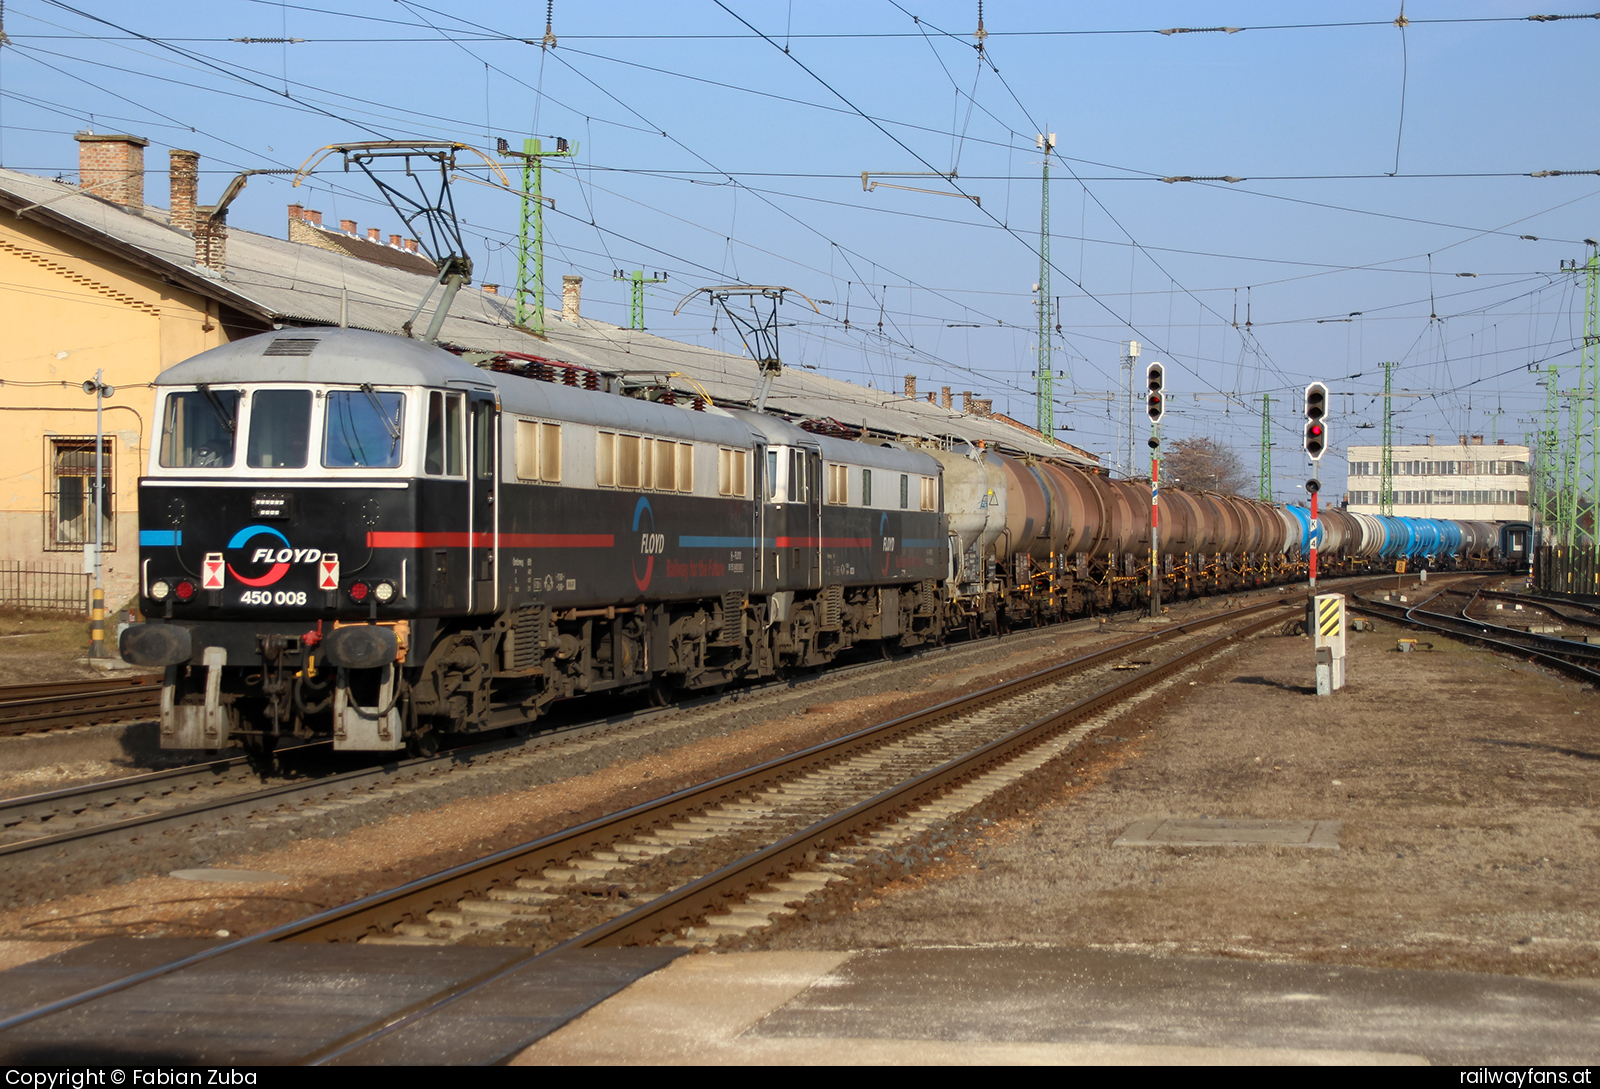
(296, 284)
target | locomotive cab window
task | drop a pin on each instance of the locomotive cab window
(443, 453)
(197, 428)
(280, 429)
(362, 429)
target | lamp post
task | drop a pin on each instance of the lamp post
(93, 549)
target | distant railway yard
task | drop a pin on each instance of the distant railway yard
(1112, 796)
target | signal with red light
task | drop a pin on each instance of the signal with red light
(1155, 380)
(1316, 433)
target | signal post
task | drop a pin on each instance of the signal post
(1155, 380)
(1325, 614)
(1316, 441)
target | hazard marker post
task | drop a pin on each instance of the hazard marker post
(1328, 641)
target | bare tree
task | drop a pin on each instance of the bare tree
(1204, 464)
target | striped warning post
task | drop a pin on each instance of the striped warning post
(1330, 616)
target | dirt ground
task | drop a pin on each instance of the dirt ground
(35, 648)
(1465, 781)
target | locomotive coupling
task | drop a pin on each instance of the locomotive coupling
(155, 644)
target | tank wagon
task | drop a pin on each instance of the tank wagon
(351, 535)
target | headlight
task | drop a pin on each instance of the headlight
(159, 591)
(384, 592)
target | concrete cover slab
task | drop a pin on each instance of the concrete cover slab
(1035, 1005)
(1223, 832)
(277, 1003)
(208, 873)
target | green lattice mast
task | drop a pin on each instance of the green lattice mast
(1266, 447)
(637, 281)
(530, 237)
(1590, 392)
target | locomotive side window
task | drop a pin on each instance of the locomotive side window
(666, 465)
(280, 429)
(628, 461)
(929, 493)
(483, 439)
(443, 454)
(838, 484)
(685, 473)
(866, 487)
(905, 491)
(772, 474)
(362, 429)
(197, 429)
(733, 471)
(538, 451)
(605, 460)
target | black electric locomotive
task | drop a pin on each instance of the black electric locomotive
(352, 534)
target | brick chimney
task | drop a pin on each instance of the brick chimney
(313, 217)
(348, 226)
(933, 398)
(183, 175)
(211, 238)
(491, 289)
(395, 243)
(944, 396)
(372, 236)
(571, 297)
(966, 400)
(911, 386)
(113, 167)
(411, 245)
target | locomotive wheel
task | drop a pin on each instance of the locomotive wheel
(425, 742)
(658, 694)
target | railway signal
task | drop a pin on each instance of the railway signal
(1316, 436)
(1155, 403)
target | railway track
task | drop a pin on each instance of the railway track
(733, 853)
(1579, 659)
(25, 708)
(231, 789)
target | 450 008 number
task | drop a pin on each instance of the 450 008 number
(273, 597)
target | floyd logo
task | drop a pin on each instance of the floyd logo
(644, 524)
(267, 561)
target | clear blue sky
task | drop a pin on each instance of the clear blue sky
(714, 154)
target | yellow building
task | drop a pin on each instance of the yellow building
(71, 306)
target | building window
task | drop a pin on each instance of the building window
(69, 521)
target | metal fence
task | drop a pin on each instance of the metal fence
(44, 587)
(1574, 572)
